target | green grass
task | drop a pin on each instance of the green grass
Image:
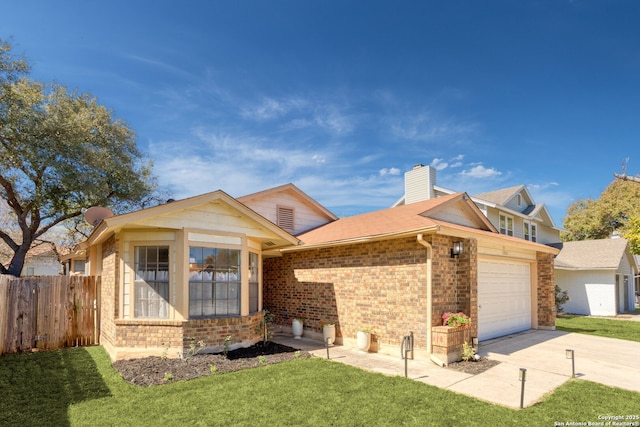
(78, 387)
(611, 328)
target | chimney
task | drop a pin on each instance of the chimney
(418, 184)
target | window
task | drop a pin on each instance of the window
(506, 225)
(78, 266)
(253, 282)
(214, 282)
(534, 232)
(519, 200)
(285, 218)
(530, 231)
(152, 281)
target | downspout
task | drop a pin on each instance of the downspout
(427, 245)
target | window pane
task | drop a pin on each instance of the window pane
(217, 270)
(151, 287)
(254, 259)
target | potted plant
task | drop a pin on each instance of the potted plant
(456, 320)
(328, 332)
(297, 327)
(448, 339)
(364, 339)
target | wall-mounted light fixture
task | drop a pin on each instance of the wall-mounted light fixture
(457, 249)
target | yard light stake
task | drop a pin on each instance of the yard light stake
(570, 355)
(523, 378)
(327, 343)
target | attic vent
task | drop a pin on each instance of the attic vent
(285, 218)
(269, 243)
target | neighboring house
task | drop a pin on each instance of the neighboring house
(511, 210)
(598, 276)
(41, 260)
(73, 263)
(203, 268)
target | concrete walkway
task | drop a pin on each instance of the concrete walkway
(605, 360)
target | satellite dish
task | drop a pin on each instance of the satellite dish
(96, 214)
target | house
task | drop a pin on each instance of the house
(598, 276)
(41, 260)
(395, 270)
(191, 268)
(204, 268)
(74, 261)
(511, 210)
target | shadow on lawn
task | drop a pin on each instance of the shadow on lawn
(37, 388)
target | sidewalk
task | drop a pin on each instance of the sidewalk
(542, 353)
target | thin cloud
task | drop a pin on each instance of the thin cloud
(427, 127)
(389, 171)
(457, 161)
(439, 164)
(271, 109)
(480, 171)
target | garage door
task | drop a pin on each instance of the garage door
(504, 298)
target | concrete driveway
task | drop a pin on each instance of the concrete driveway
(542, 353)
(607, 361)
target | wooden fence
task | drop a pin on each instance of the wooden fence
(48, 312)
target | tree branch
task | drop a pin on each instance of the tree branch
(9, 241)
(55, 222)
(624, 177)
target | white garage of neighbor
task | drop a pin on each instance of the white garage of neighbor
(504, 297)
(597, 275)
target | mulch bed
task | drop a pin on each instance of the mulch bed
(154, 370)
(473, 367)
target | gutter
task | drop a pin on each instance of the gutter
(427, 245)
(363, 239)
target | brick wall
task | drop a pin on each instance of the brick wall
(108, 293)
(380, 284)
(145, 337)
(546, 291)
(455, 280)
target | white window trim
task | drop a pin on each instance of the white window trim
(533, 231)
(507, 231)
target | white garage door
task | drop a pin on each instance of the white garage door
(504, 298)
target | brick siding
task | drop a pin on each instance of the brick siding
(380, 284)
(546, 291)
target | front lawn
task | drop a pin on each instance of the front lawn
(78, 387)
(611, 328)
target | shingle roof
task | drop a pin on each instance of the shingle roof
(500, 197)
(404, 218)
(591, 254)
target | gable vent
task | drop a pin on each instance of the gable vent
(285, 218)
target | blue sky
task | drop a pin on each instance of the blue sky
(342, 97)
